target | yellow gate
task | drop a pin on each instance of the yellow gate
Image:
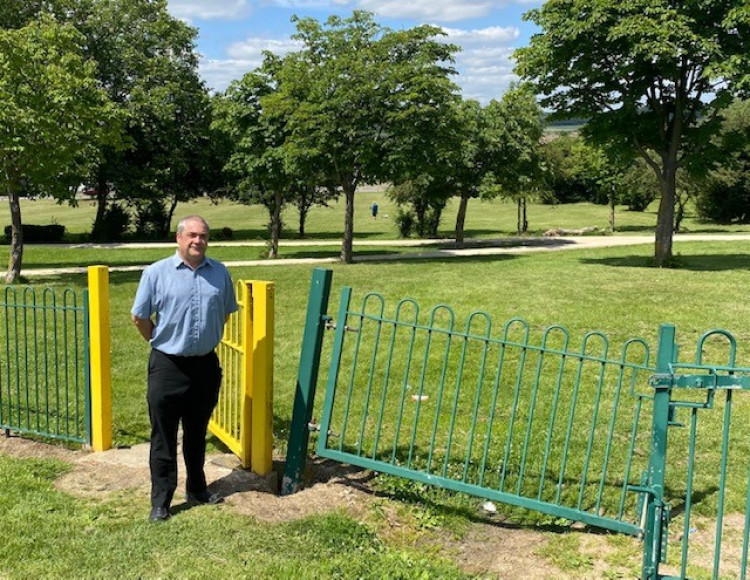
(243, 418)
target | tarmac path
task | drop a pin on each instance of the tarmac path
(474, 247)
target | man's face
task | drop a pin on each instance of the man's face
(192, 242)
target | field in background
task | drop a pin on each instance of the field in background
(485, 219)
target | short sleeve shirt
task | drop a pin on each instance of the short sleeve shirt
(190, 305)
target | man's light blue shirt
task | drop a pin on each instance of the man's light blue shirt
(190, 305)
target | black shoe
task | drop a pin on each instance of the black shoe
(203, 497)
(159, 514)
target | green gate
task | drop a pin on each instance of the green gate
(44, 366)
(576, 429)
(699, 475)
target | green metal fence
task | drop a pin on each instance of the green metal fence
(44, 367)
(582, 429)
(533, 421)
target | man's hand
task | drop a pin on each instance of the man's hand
(144, 325)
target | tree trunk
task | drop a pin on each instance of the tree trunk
(16, 243)
(302, 219)
(665, 218)
(522, 224)
(612, 214)
(348, 241)
(461, 219)
(275, 225)
(680, 212)
(170, 215)
(518, 215)
(102, 193)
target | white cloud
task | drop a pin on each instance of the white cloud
(209, 9)
(218, 74)
(244, 56)
(420, 10)
(252, 48)
(493, 34)
(301, 4)
(436, 10)
(485, 64)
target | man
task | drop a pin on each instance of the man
(180, 307)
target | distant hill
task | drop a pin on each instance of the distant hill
(566, 126)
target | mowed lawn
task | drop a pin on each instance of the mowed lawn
(484, 219)
(614, 290)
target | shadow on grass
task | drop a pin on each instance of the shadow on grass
(696, 263)
(337, 253)
(435, 257)
(646, 229)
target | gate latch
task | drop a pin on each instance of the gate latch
(709, 381)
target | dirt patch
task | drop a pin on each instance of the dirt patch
(488, 548)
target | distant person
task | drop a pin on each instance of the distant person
(180, 307)
(374, 209)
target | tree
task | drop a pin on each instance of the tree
(725, 195)
(357, 97)
(308, 195)
(641, 188)
(257, 164)
(470, 167)
(53, 117)
(148, 67)
(650, 76)
(513, 132)
(424, 198)
(174, 157)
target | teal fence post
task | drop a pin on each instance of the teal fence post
(653, 538)
(307, 378)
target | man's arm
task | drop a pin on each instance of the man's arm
(144, 325)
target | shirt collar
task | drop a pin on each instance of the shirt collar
(177, 262)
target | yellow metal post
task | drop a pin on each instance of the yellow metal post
(100, 359)
(261, 384)
(246, 342)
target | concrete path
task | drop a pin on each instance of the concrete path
(475, 247)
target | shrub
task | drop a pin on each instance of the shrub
(33, 233)
(405, 222)
(114, 225)
(151, 220)
(724, 202)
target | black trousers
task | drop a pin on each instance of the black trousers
(179, 389)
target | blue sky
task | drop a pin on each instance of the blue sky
(232, 33)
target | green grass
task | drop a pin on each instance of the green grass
(58, 536)
(485, 219)
(42, 256)
(613, 290)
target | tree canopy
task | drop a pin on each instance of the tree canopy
(650, 76)
(148, 66)
(53, 118)
(359, 99)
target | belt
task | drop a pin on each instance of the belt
(184, 356)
